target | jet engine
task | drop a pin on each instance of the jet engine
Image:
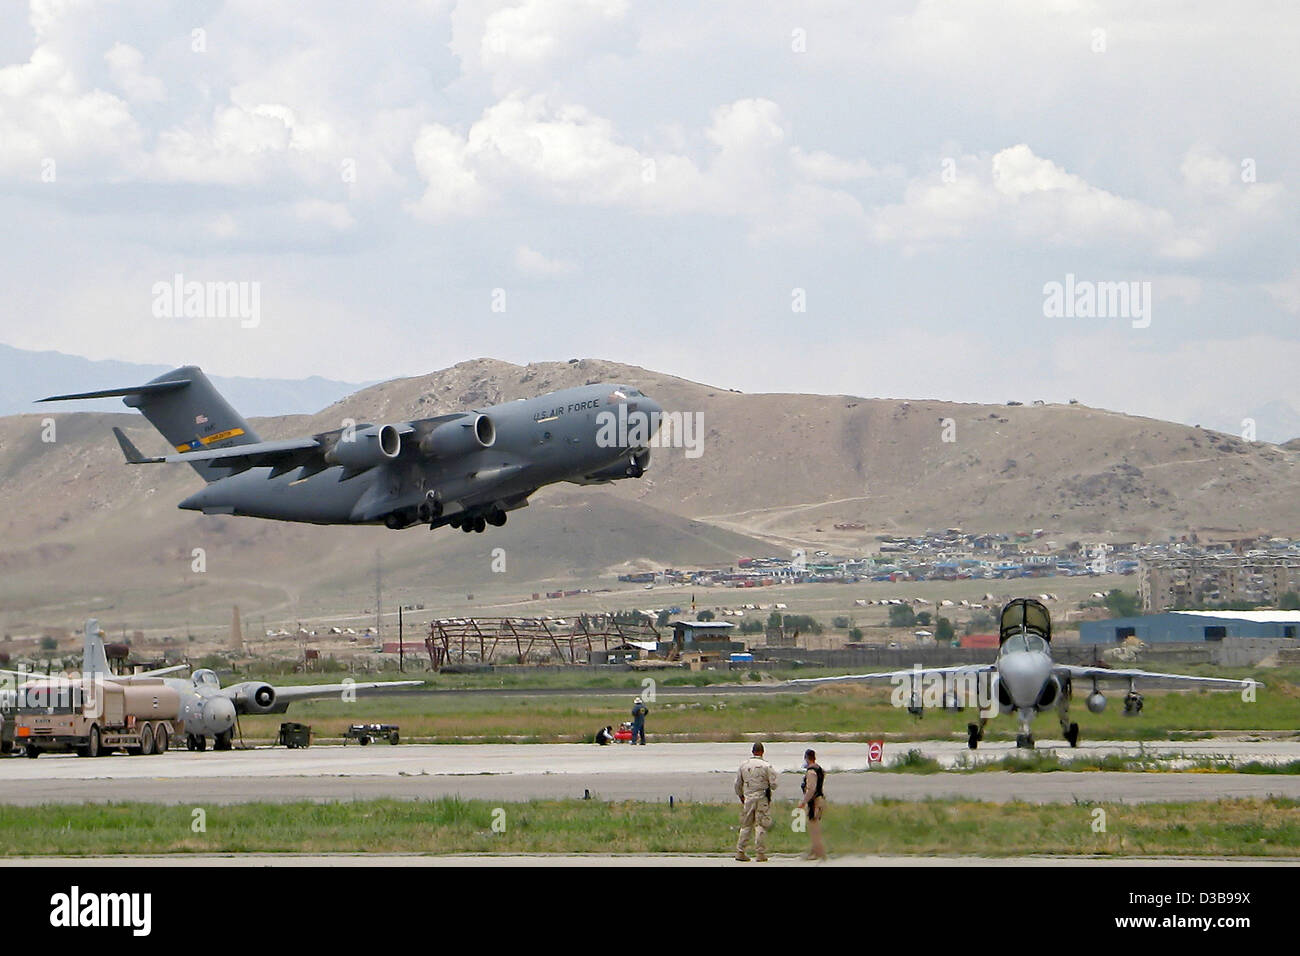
(1096, 702)
(254, 698)
(1004, 700)
(366, 447)
(1050, 692)
(459, 437)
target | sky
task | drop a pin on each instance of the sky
(840, 197)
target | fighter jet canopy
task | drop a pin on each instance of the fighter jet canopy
(1025, 615)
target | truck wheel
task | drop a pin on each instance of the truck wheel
(394, 739)
(363, 740)
(146, 740)
(161, 739)
(92, 748)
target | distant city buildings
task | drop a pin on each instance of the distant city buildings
(1182, 580)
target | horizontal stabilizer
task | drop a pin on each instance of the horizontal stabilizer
(133, 456)
(151, 389)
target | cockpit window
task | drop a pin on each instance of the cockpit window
(205, 678)
(1024, 642)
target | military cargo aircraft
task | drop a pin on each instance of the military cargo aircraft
(1024, 679)
(207, 708)
(465, 469)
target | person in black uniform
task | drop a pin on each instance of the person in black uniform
(813, 803)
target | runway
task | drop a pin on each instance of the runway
(207, 860)
(688, 771)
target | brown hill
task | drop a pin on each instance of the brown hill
(82, 530)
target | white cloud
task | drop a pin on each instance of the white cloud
(533, 263)
(126, 65)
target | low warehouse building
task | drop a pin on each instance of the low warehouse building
(1192, 626)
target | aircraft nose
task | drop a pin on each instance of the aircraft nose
(220, 713)
(1023, 675)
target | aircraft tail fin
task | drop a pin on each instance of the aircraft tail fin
(187, 409)
(94, 661)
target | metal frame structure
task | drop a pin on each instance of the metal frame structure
(524, 640)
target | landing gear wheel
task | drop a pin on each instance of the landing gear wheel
(467, 525)
(1025, 741)
(224, 741)
(972, 736)
(363, 740)
(480, 523)
(393, 738)
(1072, 735)
(32, 752)
(430, 509)
(496, 519)
(196, 743)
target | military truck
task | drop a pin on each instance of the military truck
(7, 699)
(92, 717)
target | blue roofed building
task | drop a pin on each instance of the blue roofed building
(1192, 626)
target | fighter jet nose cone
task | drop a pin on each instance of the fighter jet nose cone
(221, 712)
(1023, 675)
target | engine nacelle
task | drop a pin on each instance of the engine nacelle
(254, 697)
(1096, 702)
(365, 447)
(1050, 692)
(459, 437)
(1004, 700)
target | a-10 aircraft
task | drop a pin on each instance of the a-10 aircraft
(466, 469)
(1024, 679)
(207, 708)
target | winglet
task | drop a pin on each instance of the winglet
(133, 456)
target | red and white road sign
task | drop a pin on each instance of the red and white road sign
(875, 751)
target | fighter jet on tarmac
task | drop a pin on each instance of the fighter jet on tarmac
(207, 708)
(466, 469)
(1025, 679)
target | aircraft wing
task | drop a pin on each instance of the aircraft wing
(1109, 673)
(894, 675)
(259, 454)
(309, 691)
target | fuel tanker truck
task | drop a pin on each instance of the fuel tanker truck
(91, 716)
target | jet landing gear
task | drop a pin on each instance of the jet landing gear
(430, 509)
(197, 743)
(974, 734)
(224, 741)
(479, 522)
(1025, 739)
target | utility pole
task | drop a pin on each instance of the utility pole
(379, 599)
(401, 643)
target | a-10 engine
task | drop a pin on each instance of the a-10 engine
(459, 437)
(365, 447)
(253, 697)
